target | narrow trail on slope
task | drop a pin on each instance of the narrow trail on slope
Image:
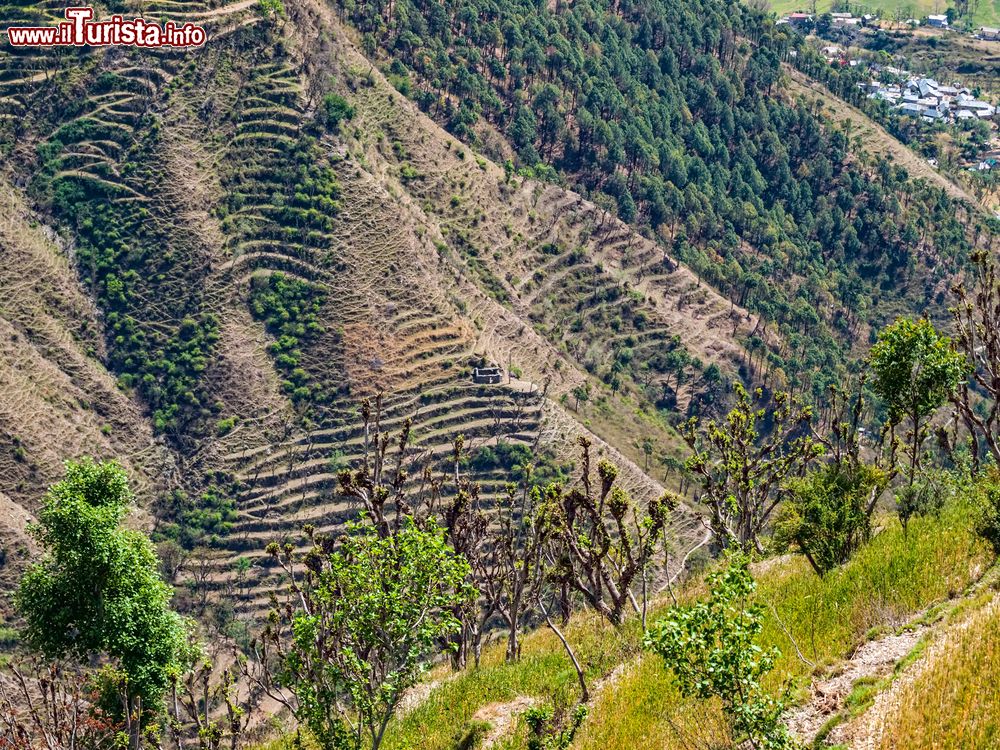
(877, 659)
(828, 695)
(866, 731)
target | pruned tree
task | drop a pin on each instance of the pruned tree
(466, 526)
(977, 334)
(516, 545)
(599, 542)
(379, 483)
(742, 472)
(204, 706)
(47, 705)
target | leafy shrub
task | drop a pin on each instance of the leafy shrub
(712, 648)
(225, 426)
(513, 458)
(8, 637)
(987, 503)
(197, 522)
(829, 513)
(334, 110)
(546, 733)
(926, 495)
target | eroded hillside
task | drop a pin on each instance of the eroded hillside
(241, 272)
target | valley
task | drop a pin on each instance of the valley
(261, 275)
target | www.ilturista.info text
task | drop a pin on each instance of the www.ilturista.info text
(79, 30)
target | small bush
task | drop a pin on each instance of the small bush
(549, 732)
(987, 508)
(8, 637)
(472, 735)
(712, 648)
(335, 109)
(928, 493)
(829, 515)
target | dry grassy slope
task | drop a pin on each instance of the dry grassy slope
(510, 221)
(408, 318)
(507, 223)
(464, 206)
(57, 401)
(64, 403)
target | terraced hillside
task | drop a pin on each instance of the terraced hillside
(57, 401)
(252, 270)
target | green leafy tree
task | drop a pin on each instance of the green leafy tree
(987, 503)
(742, 472)
(334, 110)
(916, 370)
(361, 626)
(97, 592)
(712, 648)
(829, 513)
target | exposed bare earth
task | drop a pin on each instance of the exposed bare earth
(873, 659)
(865, 732)
(502, 718)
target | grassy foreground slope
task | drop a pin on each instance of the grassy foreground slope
(636, 703)
(951, 698)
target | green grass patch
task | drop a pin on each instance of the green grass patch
(956, 699)
(886, 584)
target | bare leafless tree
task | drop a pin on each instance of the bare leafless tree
(47, 706)
(977, 334)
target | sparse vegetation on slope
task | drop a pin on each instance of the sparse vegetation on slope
(952, 697)
(675, 123)
(637, 701)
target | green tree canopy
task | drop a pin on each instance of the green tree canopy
(97, 591)
(916, 369)
(368, 617)
(829, 515)
(712, 648)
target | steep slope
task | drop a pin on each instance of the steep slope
(254, 271)
(854, 622)
(874, 137)
(57, 401)
(677, 117)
